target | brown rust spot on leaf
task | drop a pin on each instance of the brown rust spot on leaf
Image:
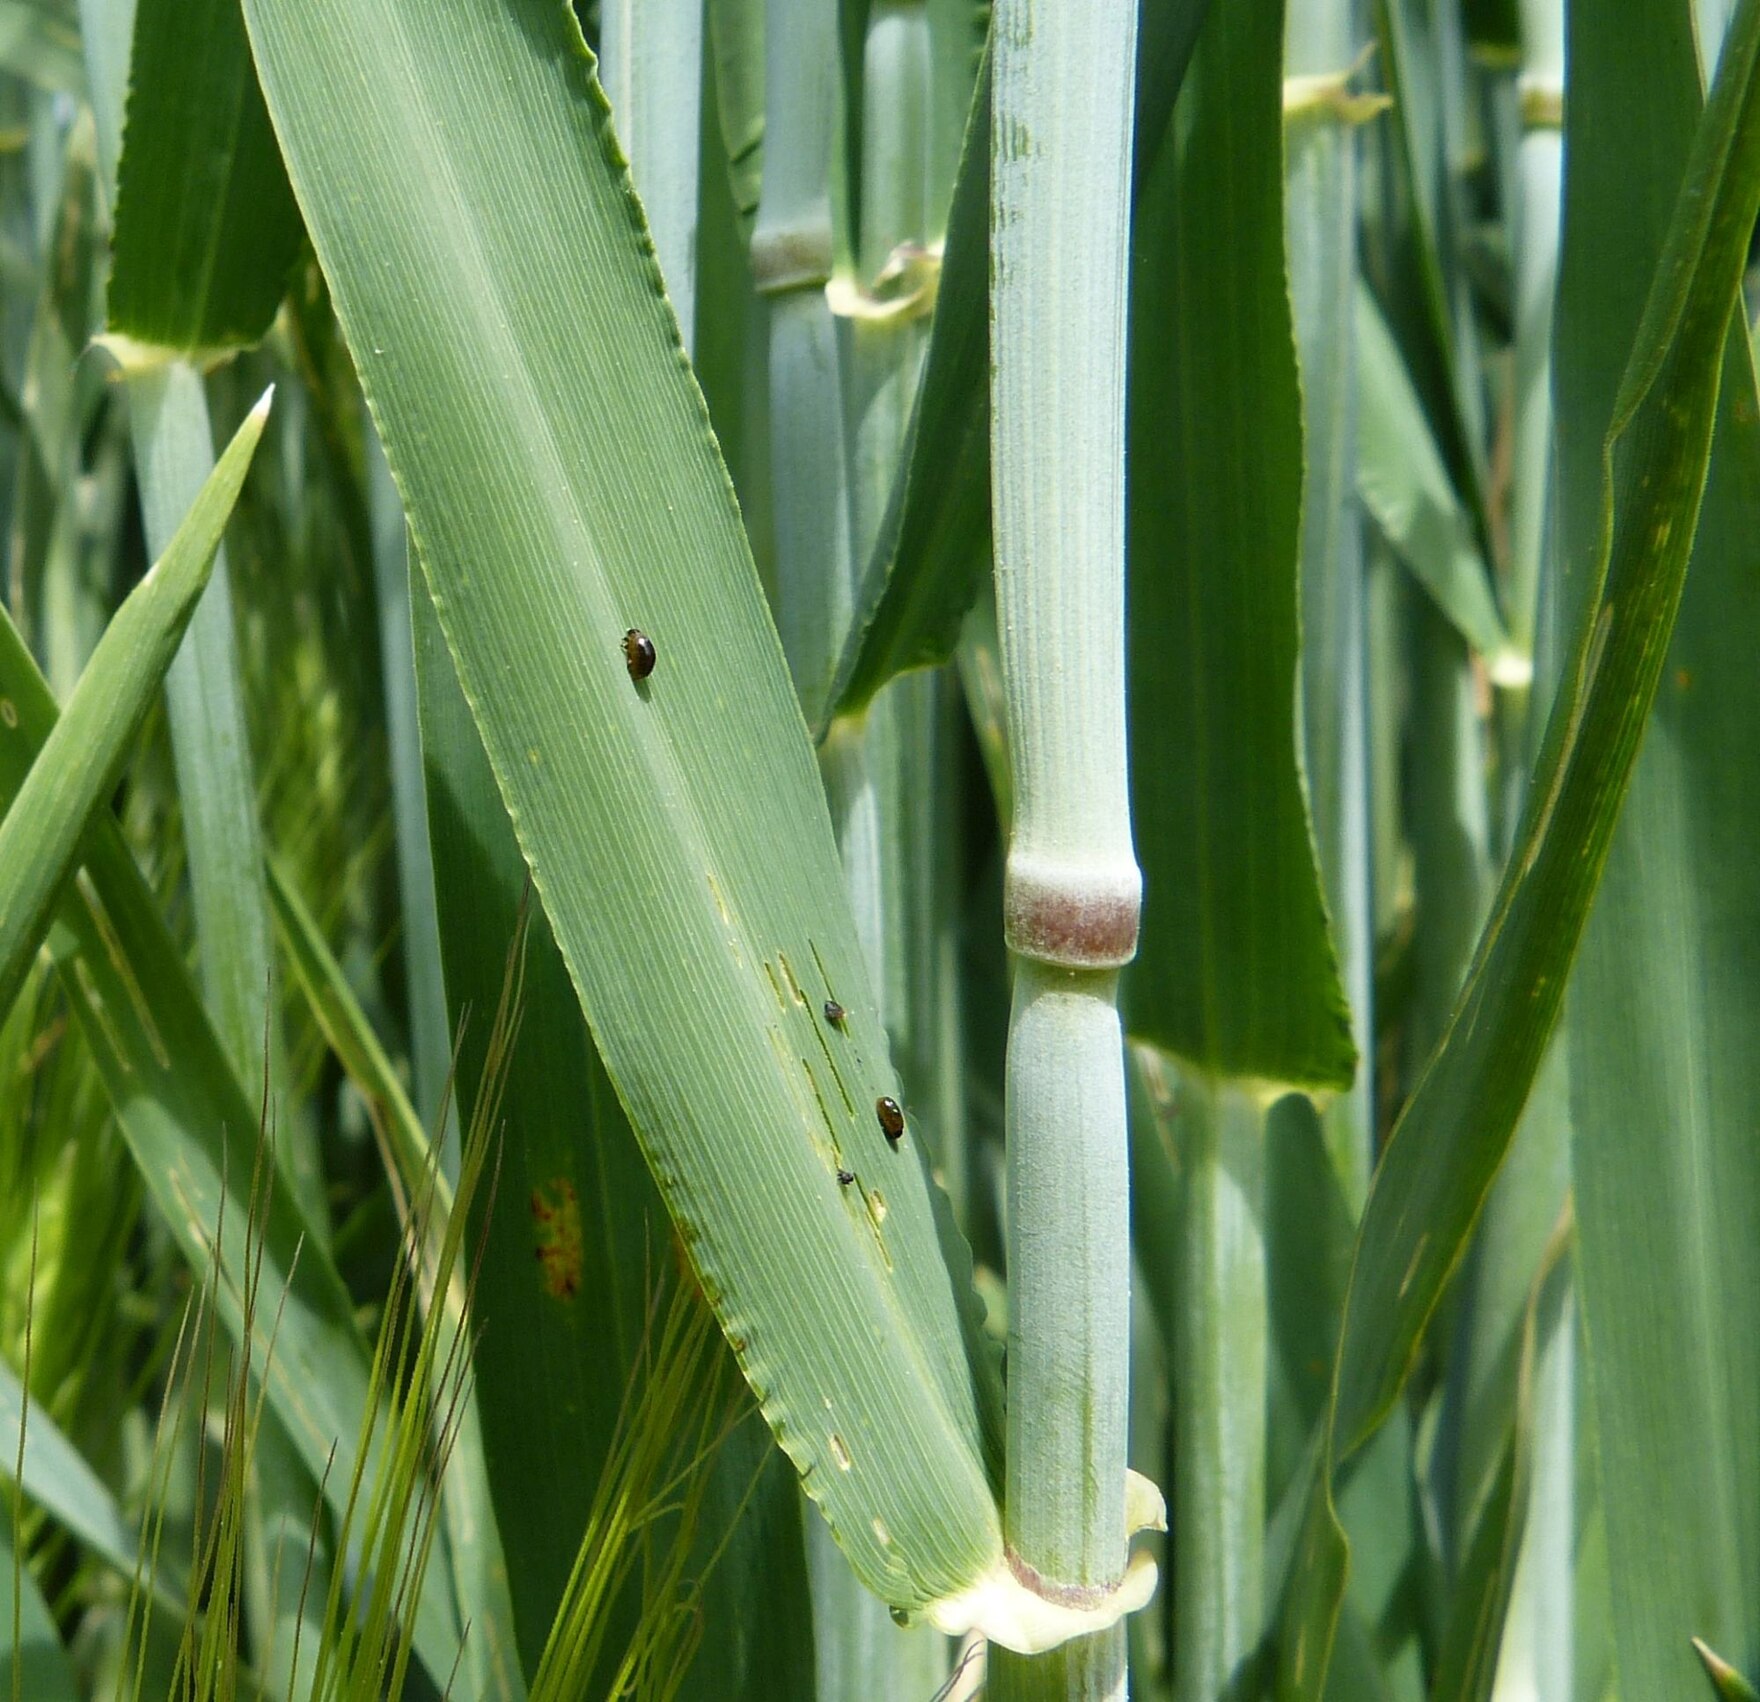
(556, 1226)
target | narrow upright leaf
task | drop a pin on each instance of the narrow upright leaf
(1406, 488)
(1419, 256)
(1664, 1003)
(1726, 1683)
(1321, 173)
(78, 764)
(1456, 1129)
(1467, 1664)
(1444, 1154)
(191, 1130)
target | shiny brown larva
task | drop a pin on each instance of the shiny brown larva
(891, 1118)
(845, 1177)
(834, 1013)
(638, 653)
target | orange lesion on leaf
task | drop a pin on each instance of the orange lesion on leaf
(556, 1225)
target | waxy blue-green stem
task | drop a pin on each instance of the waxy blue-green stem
(1220, 1370)
(651, 66)
(1060, 193)
(792, 258)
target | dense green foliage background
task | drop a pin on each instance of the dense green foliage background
(443, 1215)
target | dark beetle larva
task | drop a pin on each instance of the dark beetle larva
(834, 1013)
(845, 1177)
(638, 653)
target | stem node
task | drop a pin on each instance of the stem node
(1074, 915)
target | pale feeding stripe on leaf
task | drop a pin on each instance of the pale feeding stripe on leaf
(505, 311)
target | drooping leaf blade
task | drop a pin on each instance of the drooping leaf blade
(1236, 972)
(934, 546)
(206, 227)
(576, 1234)
(736, 63)
(570, 1254)
(562, 487)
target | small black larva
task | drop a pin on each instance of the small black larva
(891, 1118)
(638, 653)
(834, 1013)
(845, 1177)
